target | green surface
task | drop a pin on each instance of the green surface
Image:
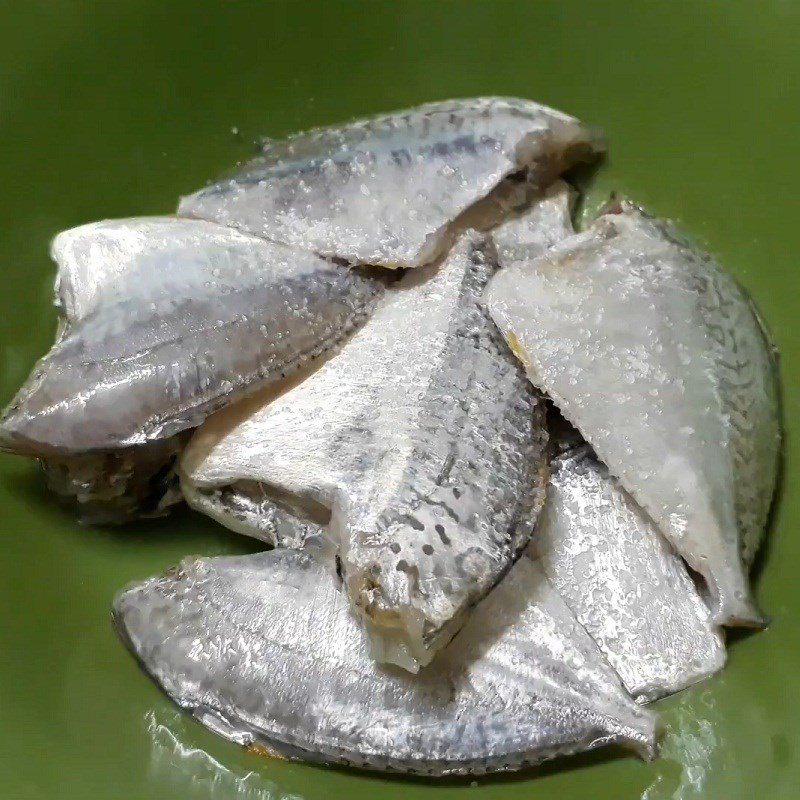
(115, 108)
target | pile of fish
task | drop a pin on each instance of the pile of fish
(513, 476)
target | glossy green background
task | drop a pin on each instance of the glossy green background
(115, 108)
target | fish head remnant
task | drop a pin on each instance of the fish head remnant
(119, 486)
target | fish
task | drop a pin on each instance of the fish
(201, 315)
(658, 358)
(118, 487)
(101, 263)
(265, 651)
(389, 190)
(536, 226)
(417, 453)
(620, 578)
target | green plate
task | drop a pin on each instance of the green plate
(115, 108)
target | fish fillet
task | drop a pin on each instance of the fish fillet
(621, 579)
(388, 189)
(418, 450)
(204, 315)
(265, 650)
(103, 263)
(657, 357)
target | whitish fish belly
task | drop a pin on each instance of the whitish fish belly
(265, 650)
(621, 579)
(419, 449)
(203, 316)
(101, 263)
(387, 189)
(657, 357)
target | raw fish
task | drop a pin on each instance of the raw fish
(103, 263)
(658, 358)
(204, 316)
(537, 227)
(265, 651)
(419, 450)
(624, 583)
(388, 190)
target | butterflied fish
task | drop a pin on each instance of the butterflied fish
(658, 358)
(102, 263)
(206, 315)
(419, 449)
(624, 583)
(265, 651)
(388, 190)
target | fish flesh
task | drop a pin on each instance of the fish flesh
(203, 316)
(418, 450)
(624, 583)
(389, 190)
(265, 650)
(620, 578)
(102, 263)
(536, 227)
(658, 359)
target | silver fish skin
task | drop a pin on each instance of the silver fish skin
(206, 317)
(657, 357)
(265, 650)
(418, 450)
(247, 507)
(101, 263)
(626, 586)
(535, 229)
(386, 190)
